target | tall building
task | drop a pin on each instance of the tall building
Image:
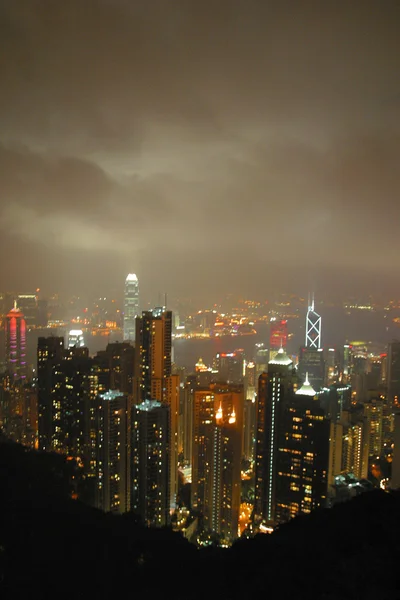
(115, 366)
(292, 452)
(273, 387)
(151, 462)
(356, 436)
(249, 425)
(50, 352)
(278, 336)
(153, 360)
(113, 452)
(347, 363)
(332, 366)
(186, 428)
(261, 359)
(230, 367)
(15, 330)
(313, 328)
(393, 375)
(153, 375)
(374, 411)
(64, 391)
(335, 399)
(42, 312)
(224, 504)
(27, 303)
(217, 451)
(312, 362)
(131, 306)
(395, 479)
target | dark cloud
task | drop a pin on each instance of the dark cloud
(229, 144)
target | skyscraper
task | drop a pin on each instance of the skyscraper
(29, 306)
(292, 455)
(49, 353)
(217, 450)
(131, 306)
(151, 462)
(153, 378)
(273, 387)
(313, 327)
(224, 506)
(64, 388)
(15, 329)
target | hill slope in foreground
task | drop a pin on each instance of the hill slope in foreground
(55, 547)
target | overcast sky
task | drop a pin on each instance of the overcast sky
(207, 145)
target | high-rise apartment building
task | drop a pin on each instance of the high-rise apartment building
(131, 306)
(64, 388)
(356, 436)
(151, 462)
(113, 452)
(115, 366)
(15, 330)
(153, 375)
(50, 352)
(217, 436)
(374, 411)
(223, 507)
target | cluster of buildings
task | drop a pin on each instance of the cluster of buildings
(242, 445)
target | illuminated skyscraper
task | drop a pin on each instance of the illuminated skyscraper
(28, 305)
(217, 451)
(292, 455)
(151, 463)
(64, 388)
(49, 353)
(15, 330)
(213, 408)
(273, 387)
(224, 507)
(131, 306)
(313, 328)
(230, 367)
(153, 378)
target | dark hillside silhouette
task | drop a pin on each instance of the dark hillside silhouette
(54, 547)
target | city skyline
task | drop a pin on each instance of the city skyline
(148, 130)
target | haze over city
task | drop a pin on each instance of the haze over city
(210, 147)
